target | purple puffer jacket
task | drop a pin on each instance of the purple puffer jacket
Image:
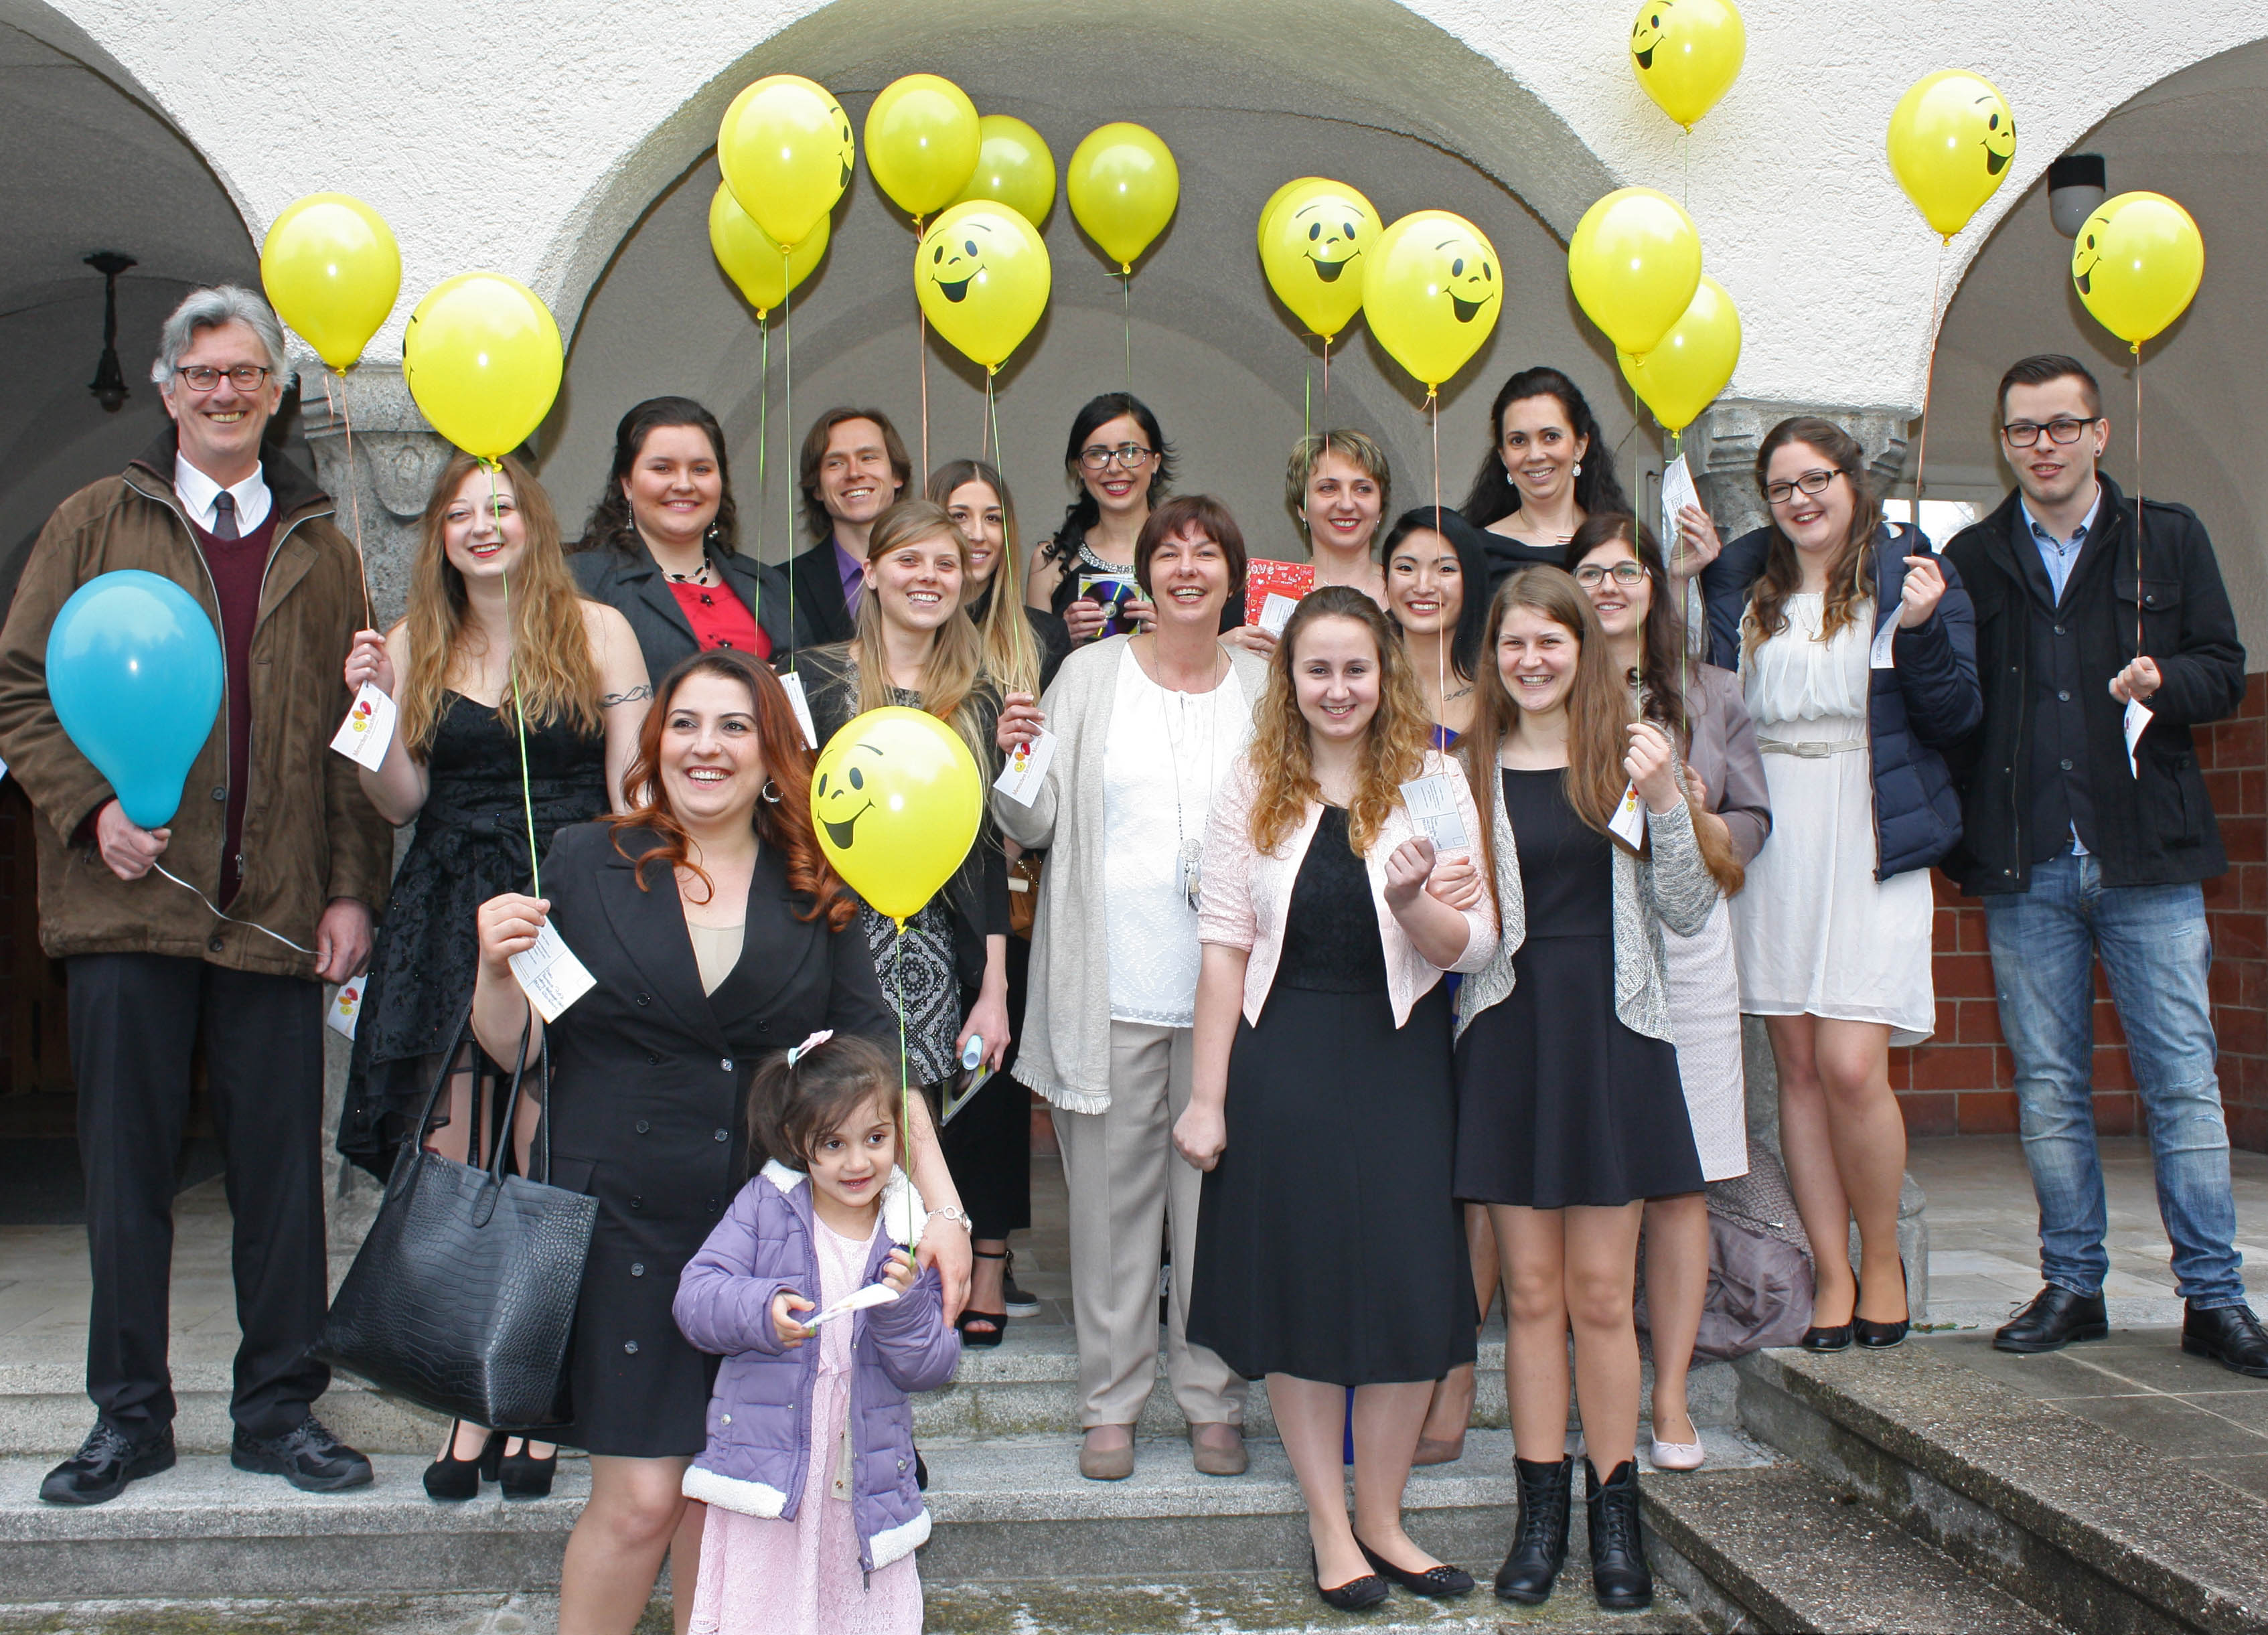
(760, 1415)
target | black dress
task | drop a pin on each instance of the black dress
(1329, 1247)
(649, 1086)
(1558, 1101)
(471, 844)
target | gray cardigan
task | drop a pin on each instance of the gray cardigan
(1065, 1053)
(1723, 753)
(1671, 888)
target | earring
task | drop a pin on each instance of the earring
(710, 537)
(1579, 467)
(771, 792)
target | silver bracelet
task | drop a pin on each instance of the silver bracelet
(956, 1214)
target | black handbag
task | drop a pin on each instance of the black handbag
(462, 1298)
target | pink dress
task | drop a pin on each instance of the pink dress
(760, 1576)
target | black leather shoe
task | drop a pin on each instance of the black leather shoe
(523, 1476)
(309, 1457)
(1619, 1577)
(105, 1463)
(2054, 1319)
(1880, 1337)
(1539, 1549)
(1835, 1339)
(2230, 1335)
(1440, 1582)
(1354, 1596)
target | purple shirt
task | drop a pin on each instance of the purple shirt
(854, 577)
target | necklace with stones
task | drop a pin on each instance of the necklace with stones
(699, 576)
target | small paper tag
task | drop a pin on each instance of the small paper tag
(793, 685)
(2138, 717)
(1882, 657)
(1026, 769)
(872, 1294)
(1432, 803)
(1275, 613)
(345, 1008)
(550, 974)
(1678, 492)
(363, 737)
(1628, 821)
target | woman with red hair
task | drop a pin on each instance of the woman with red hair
(717, 933)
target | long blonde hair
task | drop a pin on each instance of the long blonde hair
(551, 669)
(1393, 749)
(956, 661)
(1011, 657)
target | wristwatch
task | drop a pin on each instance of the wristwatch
(953, 1212)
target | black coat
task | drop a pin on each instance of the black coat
(637, 589)
(816, 584)
(2154, 826)
(649, 1087)
(1916, 712)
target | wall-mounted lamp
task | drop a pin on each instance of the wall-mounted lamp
(109, 383)
(2077, 183)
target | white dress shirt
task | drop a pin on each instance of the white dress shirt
(200, 495)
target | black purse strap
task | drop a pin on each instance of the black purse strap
(541, 1151)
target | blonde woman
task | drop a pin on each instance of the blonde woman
(497, 643)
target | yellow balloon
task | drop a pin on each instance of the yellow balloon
(482, 358)
(332, 271)
(1312, 247)
(1952, 140)
(1123, 186)
(1687, 52)
(1013, 167)
(982, 275)
(2138, 262)
(922, 141)
(1277, 198)
(786, 150)
(897, 801)
(1431, 292)
(1634, 263)
(764, 272)
(1690, 365)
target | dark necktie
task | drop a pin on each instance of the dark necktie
(225, 517)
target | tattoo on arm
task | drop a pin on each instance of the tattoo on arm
(636, 694)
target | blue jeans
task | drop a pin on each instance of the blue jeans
(2155, 951)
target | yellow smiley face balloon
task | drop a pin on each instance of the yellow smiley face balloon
(1312, 248)
(1687, 52)
(785, 149)
(1431, 292)
(982, 276)
(2137, 263)
(897, 801)
(1951, 140)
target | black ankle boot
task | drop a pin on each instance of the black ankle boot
(1618, 1574)
(1539, 1549)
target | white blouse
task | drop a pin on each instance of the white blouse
(1794, 676)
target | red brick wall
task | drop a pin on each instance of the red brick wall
(1962, 1081)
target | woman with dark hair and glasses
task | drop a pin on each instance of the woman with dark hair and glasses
(661, 546)
(1119, 461)
(1857, 651)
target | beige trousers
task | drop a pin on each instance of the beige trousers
(1127, 1184)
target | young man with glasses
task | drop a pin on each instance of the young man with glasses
(219, 927)
(2085, 840)
(854, 467)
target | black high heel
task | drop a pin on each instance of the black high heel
(523, 1476)
(451, 1479)
(997, 1319)
(1835, 1339)
(1880, 1337)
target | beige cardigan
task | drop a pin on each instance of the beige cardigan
(1247, 896)
(1065, 1053)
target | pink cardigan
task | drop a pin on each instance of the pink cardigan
(1246, 892)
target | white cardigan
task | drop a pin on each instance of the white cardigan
(1247, 894)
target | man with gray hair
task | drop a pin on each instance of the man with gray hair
(218, 928)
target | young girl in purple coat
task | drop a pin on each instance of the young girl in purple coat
(825, 1423)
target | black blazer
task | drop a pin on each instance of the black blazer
(649, 1090)
(636, 587)
(816, 580)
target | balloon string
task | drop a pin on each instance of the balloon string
(221, 914)
(1308, 405)
(354, 492)
(1126, 296)
(905, 1093)
(787, 433)
(1441, 637)
(921, 317)
(1327, 383)
(520, 715)
(764, 431)
(2138, 519)
(992, 416)
(1928, 383)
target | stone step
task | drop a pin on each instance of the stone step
(2096, 1530)
(1780, 1548)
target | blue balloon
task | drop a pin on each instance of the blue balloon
(135, 673)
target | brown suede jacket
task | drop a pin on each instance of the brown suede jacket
(310, 833)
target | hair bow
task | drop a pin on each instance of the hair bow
(809, 1045)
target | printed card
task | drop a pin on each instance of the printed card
(1432, 803)
(1027, 771)
(345, 1008)
(1678, 492)
(1882, 658)
(793, 684)
(872, 1294)
(1628, 821)
(550, 974)
(1113, 591)
(1267, 582)
(2138, 715)
(368, 729)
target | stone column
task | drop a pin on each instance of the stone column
(1722, 449)
(381, 491)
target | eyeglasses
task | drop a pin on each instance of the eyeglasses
(1129, 456)
(2024, 433)
(1591, 575)
(205, 377)
(1809, 482)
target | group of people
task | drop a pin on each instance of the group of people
(1369, 965)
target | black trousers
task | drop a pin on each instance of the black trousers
(135, 1020)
